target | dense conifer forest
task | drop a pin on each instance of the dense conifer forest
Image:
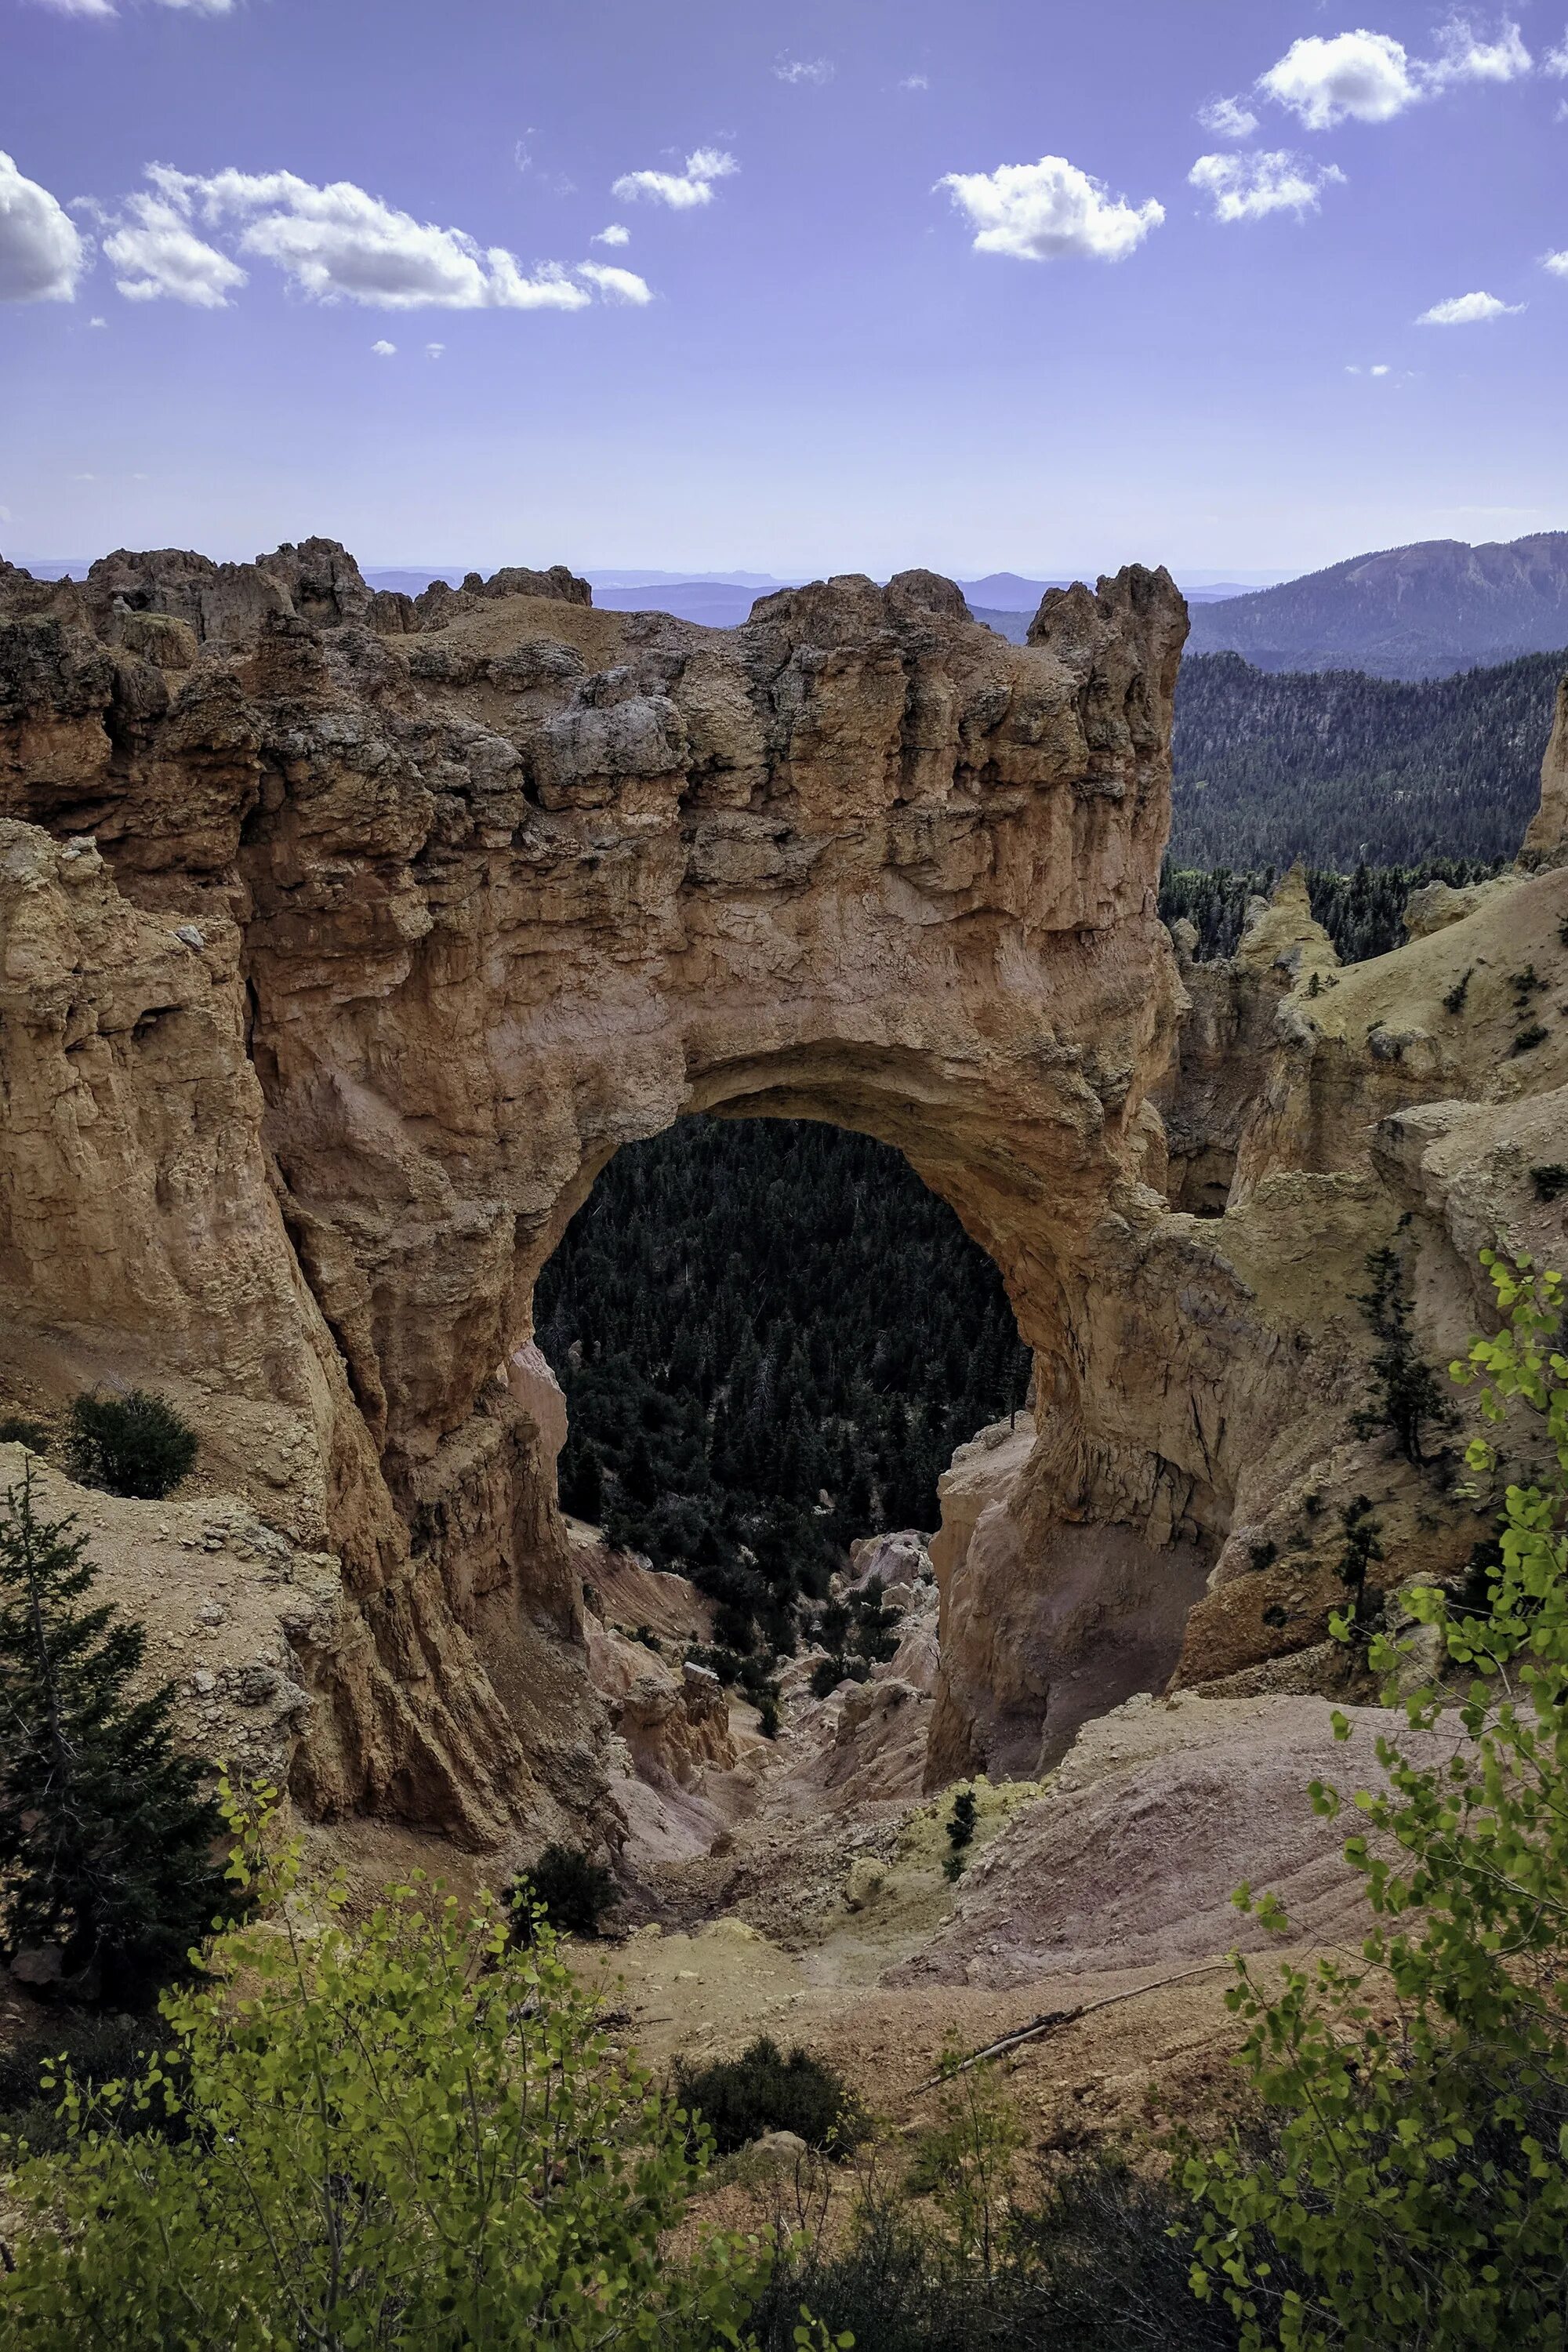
(1347, 770)
(1363, 913)
(772, 1336)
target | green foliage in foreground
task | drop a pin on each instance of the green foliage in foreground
(106, 1839)
(1420, 2180)
(982, 2246)
(407, 2132)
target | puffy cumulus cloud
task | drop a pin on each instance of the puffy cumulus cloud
(42, 251)
(1556, 262)
(1366, 76)
(681, 189)
(384, 350)
(796, 70)
(613, 234)
(617, 285)
(1249, 187)
(1049, 211)
(155, 254)
(339, 244)
(1227, 118)
(433, 350)
(1464, 56)
(1556, 61)
(1468, 311)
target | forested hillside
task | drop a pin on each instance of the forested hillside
(1346, 770)
(1363, 913)
(772, 1336)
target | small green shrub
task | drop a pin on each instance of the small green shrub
(574, 1892)
(1528, 1039)
(136, 1446)
(1454, 1000)
(15, 1429)
(960, 1821)
(768, 1715)
(739, 2099)
(826, 1675)
(1549, 1180)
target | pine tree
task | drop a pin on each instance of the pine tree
(106, 1842)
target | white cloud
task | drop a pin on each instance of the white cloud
(384, 350)
(337, 243)
(803, 70)
(1467, 310)
(1370, 77)
(1247, 187)
(1227, 118)
(681, 189)
(98, 322)
(1556, 61)
(433, 350)
(42, 251)
(107, 8)
(613, 234)
(1381, 369)
(619, 285)
(155, 254)
(1467, 57)
(915, 82)
(1556, 262)
(1048, 210)
(1365, 75)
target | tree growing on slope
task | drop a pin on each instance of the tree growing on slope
(1417, 2183)
(106, 1840)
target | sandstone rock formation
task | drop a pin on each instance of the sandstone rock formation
(343, 939)
(340, 956)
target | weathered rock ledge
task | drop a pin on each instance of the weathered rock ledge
(344, 938)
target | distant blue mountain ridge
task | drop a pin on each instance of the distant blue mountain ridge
(1423, 611)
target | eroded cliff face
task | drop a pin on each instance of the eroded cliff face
(344, 938)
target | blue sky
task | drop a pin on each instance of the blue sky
(902, 282)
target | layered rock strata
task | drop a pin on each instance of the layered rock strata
(344, 938)
(342, 945)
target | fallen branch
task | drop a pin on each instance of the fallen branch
(1051, 2018)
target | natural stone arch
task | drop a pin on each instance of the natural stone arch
(494, 886)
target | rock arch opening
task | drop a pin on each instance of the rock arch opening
(453, 900)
